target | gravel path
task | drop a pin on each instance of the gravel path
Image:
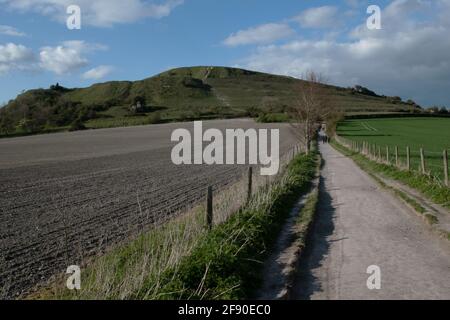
(359, 225)
(67, 196)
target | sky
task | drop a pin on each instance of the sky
(135, 39)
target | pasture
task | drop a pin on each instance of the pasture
(431, 134)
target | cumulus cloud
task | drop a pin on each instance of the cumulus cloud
(10, 31)
(66, 57)
(98, 72)
(101, 13)
(410, 56)
(319, 17)
(265, 33)
(15, 56)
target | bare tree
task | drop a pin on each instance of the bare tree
(310, 108)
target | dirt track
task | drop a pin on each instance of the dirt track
(68, 196)
(359, 225)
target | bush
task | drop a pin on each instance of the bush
(154, 118)
(77, 125)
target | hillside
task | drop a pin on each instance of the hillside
(174, 95)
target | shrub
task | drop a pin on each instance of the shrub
(154, 118)
(77, 125)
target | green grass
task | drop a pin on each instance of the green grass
(227, 263)
(273, 117)
(431, 134)
(426, 185)
(117, 122)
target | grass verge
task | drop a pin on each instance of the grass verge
(227, 263)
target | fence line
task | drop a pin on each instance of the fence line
(221, 205)
(374, 152)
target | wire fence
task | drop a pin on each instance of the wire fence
(430, 163)
(224, 202)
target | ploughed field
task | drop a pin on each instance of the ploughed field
(431, 134)
(68, 196)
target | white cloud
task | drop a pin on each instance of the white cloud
(408, 57)
(98, 72)
(66, 57)
(15, 56)
(10, 31)
(101, 13)
(265, 33)
(353, 3)
(319, 17)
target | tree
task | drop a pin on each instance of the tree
(77, 125)
(443, 110)
(311, 107)
(6, 124)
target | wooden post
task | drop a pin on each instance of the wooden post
(250, 182)
(396, 156)
(209, 208)
(379, 154)
(446, 168)
(422, 161)
(387, 154)
(408, 159)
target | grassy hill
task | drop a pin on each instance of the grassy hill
(175, 95)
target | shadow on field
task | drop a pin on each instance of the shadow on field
(317, 247)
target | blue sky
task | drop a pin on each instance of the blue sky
(409, 57)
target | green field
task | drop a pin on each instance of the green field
(431, 134)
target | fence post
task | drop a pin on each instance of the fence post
(396, 156)
(422, 161)
(209, 208)
(387, 154)
(379, 154)
(446, 168)
(408, 159)
(250, 183)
